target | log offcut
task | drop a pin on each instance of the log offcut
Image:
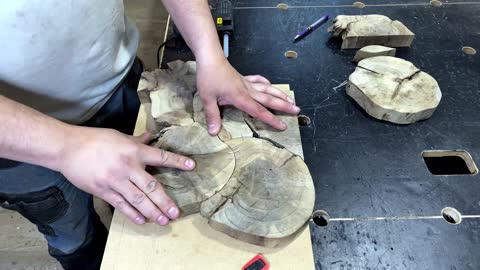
(394, 90)
(363, 30)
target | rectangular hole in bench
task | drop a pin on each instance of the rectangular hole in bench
(449, 162)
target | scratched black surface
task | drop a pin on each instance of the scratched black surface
(241, 4)
(367, 168)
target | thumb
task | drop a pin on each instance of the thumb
(212, 116)
(144, 138)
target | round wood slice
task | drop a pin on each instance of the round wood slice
(269, 197)
(394, 90)
(215, 164)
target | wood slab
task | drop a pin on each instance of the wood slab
(394, 90)
(190, 242)
(372, 51)
(362, 30)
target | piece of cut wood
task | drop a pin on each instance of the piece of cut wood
(372, 51)
(363, 30)
(170, 92)
(394, 90)
(269, 197)
(215, 164)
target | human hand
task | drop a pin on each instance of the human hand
(111, 165)
(220, 84)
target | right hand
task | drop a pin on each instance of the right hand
(220, 84)
(111, 165)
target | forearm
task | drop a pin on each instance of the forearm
(218, 83)
(194, 20)
(27, 135)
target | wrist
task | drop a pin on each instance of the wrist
(66, 140)
(212, 55)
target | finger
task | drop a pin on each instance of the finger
(212, 115)
(143, 139)
(275, 103)
(158, 157)
(139, 200)
(257, 79)
(117, 201)
(250, 106)
(154, 190)
(268, 89)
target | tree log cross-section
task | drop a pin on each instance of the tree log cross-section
(394, 90)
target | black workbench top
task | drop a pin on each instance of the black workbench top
(363, 167)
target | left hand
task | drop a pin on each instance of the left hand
(220, 84)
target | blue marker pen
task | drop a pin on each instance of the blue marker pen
(310, 29)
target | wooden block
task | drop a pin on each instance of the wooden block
(372, 51)
(394, 90)
(363, 30)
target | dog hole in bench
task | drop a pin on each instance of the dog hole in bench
(304, 120)
(451, 215)
(449, 162)
(436, 3)
(359, 4)
(469, 50)
(291, 54)
(321, 218)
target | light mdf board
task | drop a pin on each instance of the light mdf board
(190, 243)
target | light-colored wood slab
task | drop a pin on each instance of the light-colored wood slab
(362, 30)
(215, 165)
(394, 90)
(372, 51)
(191, 243)
(269, 197)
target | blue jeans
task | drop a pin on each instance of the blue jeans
(63, 213)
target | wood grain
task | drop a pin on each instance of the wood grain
(394, 90)
(363, 30)
(271, 194)
(215, 165)
(372, 51)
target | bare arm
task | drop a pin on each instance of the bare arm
(29, 136)
(218, 82)
(194, 20)
(103, 162)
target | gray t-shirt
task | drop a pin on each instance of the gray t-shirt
(64, 57)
